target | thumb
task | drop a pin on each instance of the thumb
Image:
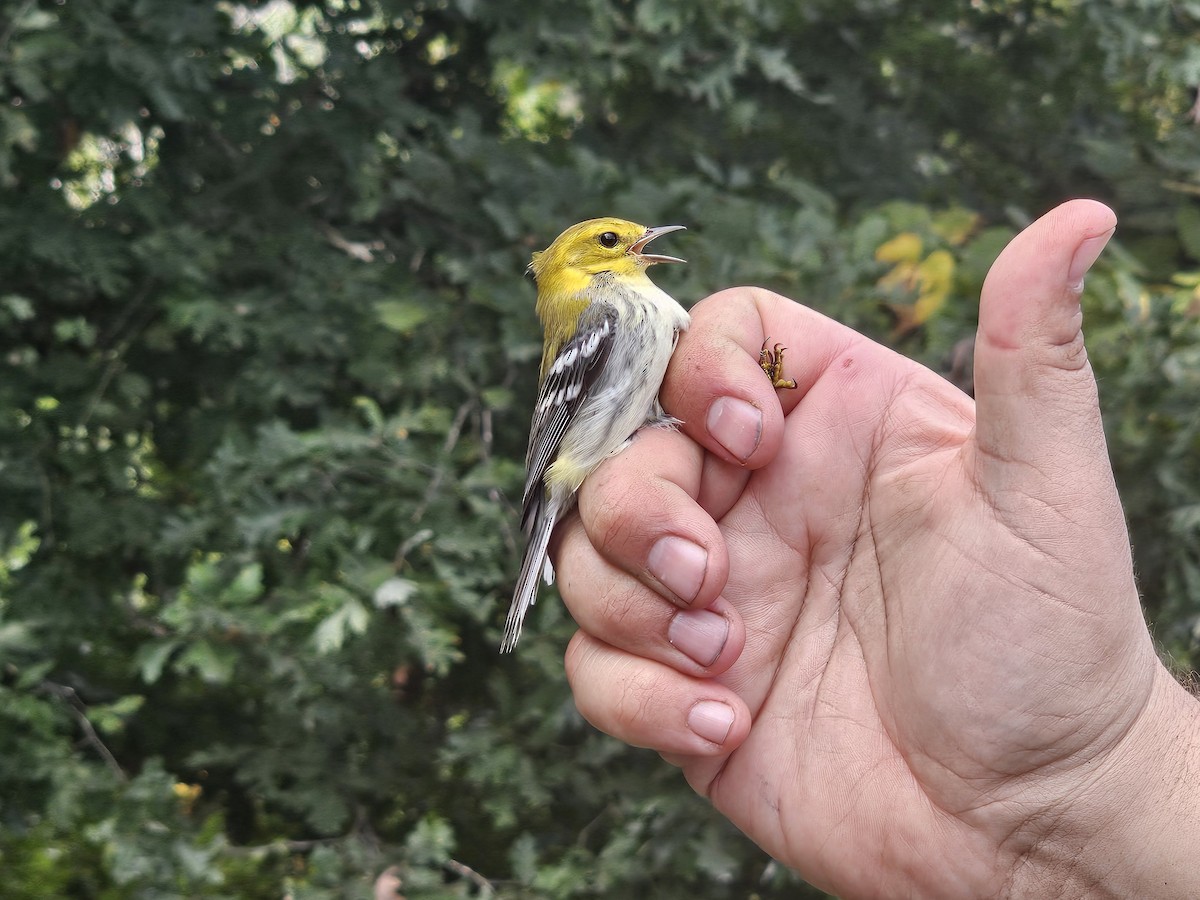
(1038, 428)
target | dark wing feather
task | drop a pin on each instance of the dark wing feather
(562, 392)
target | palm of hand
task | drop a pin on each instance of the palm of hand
(905, 598)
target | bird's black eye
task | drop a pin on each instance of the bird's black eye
(609, 240)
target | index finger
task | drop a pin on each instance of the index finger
(716, 385)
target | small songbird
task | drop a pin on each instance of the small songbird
(609, 333)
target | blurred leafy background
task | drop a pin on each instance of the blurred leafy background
(268, 358)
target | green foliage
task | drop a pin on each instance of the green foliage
(268, 358)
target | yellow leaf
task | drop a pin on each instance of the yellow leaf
(936, 276)
(902, 278)
(187, 794)
(903, 248)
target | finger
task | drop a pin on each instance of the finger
(613, 606)
(639, 512)
(716, 385)
(1038, 415)
(1039, 455)
(648, 704)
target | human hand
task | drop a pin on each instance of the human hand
(891, 633)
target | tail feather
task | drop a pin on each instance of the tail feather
(532, 567)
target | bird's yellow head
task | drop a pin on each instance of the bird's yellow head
(589, 248)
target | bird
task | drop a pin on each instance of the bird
(609, 333)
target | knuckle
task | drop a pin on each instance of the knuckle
(617, 602)
(623, 502)
(575, 656)
(637, 699)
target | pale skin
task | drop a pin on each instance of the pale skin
(893, 634)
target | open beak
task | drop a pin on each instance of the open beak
(651, 234)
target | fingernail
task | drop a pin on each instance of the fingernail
(700, 634)
(679, 565)
(735, 425)
(1085, 255)
(711, 720)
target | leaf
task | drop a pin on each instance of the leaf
(16, 637)
(32, 675)
(151, 658)
(394, 592)
(18, 307)
(936, 277)
(403, 316)
(1187, 223)
(775, 65)
(903, 248)
(431, 842)
(246, 587)
(349, 619)
(499, 399)
(371, 412)
(902, 278)
(956, 225)
(436, 645)
(110, 718)
(214, 664)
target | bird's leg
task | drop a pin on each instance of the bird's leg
(771, 362)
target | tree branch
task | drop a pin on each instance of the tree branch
(79, 711)
(439, 474)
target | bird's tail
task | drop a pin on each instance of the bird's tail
(531, 567)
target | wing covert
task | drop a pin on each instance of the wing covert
(562, 392)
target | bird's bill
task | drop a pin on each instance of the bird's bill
(651, 234)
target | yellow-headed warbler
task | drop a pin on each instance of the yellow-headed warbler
(609, 333)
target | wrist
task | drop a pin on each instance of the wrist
(1128, 829)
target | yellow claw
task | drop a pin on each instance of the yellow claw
(771, 362)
